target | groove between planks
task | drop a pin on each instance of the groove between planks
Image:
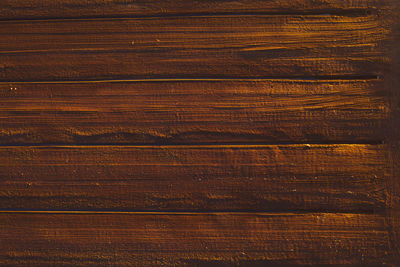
(346, 78)
(194, 213)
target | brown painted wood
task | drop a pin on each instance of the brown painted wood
(161, 106)
(251, 111)
(193, 239)
(393, 84)
(193, 47)
(15, 9)
(198, 178)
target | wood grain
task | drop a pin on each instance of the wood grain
(198, 178)
(393, 84)
(15, 9)
(193, 47)
(192, 239)
(199, 133)
(160, 112)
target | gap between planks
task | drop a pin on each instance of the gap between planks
(345, 78)
(194, 213)
(197, 145)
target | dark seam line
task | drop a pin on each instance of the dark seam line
(208, 79)
(189, 212)
(200, 145)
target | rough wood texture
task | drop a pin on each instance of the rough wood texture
(110, 108)
(193, 111)
(197, 178)
(192, 47)
(16, 9)
(193, 239)
(393, 84)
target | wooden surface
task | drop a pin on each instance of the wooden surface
(199, 133)
(192, 239)
(36, 9)
(224, 111)
(201, 178)
(192, 47)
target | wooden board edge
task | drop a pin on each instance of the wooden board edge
(391, 13)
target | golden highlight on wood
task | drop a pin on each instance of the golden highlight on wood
(143, 112)
(255, 46)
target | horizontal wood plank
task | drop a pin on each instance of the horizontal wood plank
(200, 178)
(143, 112)
(193, 239)
(16, 9)
(193, 47)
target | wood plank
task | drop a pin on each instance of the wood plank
(15, 9)
(144, 112)
(193, 47)
(202, 178)
(193, 239)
